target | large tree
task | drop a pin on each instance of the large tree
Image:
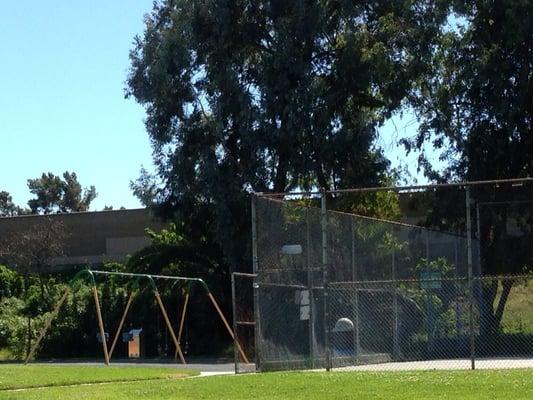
(476, 106)
(7, 207)
(271, 96)
(477, 102)
(56, 194)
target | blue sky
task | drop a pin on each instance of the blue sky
(62, 107)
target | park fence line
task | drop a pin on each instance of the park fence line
(382, 325)
(333, 289)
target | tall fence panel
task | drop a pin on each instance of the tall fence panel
(426, 324)
(244, 321)
(426, 277)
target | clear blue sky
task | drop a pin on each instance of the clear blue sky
(62, 107)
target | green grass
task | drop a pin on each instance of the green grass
(15, 376)
(518, 315)
(5, 354)
(432, 385)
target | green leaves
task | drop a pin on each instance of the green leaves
(257, 96)
(54, 194)
(7, 207)
(477, 100)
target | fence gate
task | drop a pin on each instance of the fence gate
(243, 320)
(362, 324)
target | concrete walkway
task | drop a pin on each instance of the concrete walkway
(205, 368)
(455, 364)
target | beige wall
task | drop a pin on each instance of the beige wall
(93, 237)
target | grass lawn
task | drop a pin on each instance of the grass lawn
(493, 385)
(5, 354)
(518, 315)
(15, 376)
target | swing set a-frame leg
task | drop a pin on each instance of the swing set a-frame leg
(121, 323)
(169, 326)
(47, 324)
(100, 324)
(182, 322)
(230, 331)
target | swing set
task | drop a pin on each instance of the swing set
(89, 275)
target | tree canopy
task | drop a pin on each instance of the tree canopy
(272, 95)
(7, 207)
(56, 194)
(476, 105)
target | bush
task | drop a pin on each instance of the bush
(11, 283)
(13, 326)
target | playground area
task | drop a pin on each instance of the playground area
(133, 337)
(395, 306)
(368, 280)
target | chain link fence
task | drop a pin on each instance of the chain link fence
(243, 320)
(429, 324)
(420, 277)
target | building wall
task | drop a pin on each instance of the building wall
(92, 237)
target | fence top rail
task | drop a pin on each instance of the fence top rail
(244, 274)
(444, 279)
(516, 181)
(397, 224)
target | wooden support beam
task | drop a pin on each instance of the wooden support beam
(230, 331)
(182, 322)
(169, 325)
(121, 323)
(100, 324)
(47, 324)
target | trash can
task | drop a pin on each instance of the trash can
(343, 338)
(133, 337)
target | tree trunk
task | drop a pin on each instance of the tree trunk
(507, 285)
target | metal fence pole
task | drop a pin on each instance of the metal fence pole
(470, 278)
(478, 227)
(234, 303)
(355, 294)
(429, 302)
(458, 322)
(396, 322)
(310, 283)
(324, 225)
(255, 263)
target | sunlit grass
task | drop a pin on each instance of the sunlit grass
(430, 385)
(15, 376)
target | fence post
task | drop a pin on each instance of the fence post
(470, 279)
(324, 225)
(355, 294)
(255, 264)
(429, 303)
(234, 303)
(396, 322)
(310, 283)
(478, 234)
